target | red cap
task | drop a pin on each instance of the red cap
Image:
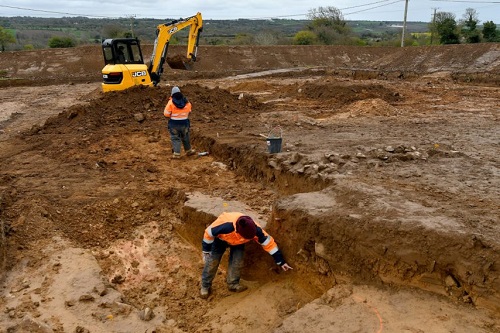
(246, 227)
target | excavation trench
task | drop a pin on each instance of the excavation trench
(343, 226)
(330, 239)
(366, 192)
(335, 229)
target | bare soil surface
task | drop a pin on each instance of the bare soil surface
(384, 196)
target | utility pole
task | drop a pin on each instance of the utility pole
(433, 25)
(132, 25)
(404, 25)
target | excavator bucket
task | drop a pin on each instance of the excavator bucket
(179, 62)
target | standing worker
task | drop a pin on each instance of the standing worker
(233, 230)
(177, 111)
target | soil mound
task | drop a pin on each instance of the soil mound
(342, 95)
(369, 107)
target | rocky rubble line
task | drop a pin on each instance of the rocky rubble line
(328, 166)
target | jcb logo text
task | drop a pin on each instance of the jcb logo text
(137, 74)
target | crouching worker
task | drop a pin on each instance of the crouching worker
(233, 230)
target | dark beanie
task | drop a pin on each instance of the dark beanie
(246, 227)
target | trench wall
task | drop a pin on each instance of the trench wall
(3, 241)
(318, 232)
(326, 242)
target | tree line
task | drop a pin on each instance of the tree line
(327, 26)
(324, 26)
(466, 30)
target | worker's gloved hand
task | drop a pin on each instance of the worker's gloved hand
(205, 256)
(286, 267)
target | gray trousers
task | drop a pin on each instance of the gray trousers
(234, 266)
(179, 135)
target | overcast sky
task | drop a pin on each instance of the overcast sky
(373, 10)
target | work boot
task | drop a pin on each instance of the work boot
(204, 292)
(191, 152)
(176, 156)
(237, 288)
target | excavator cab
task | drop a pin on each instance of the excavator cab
(122, 51)
(124, 64)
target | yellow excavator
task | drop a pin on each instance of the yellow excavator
(124, 64)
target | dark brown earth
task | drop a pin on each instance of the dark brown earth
(384, 197)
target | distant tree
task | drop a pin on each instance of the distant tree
(304, 37)
(448, 32)
(6, 38)
(243, 39)
(61, 42)
(112, 31)
(328, 17)
(265, 38)
(419, 39)
(490, 32)
(469, 30)
(386, 38)
(370, 35)
(446, 27)
(328, 25)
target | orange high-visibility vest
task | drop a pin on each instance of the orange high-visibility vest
(173, 112)
(233, 238)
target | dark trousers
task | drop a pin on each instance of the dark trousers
(212, 263)
(179, 135)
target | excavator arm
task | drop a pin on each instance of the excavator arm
(164, 33)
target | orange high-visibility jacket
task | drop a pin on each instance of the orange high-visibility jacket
(173, 112)
(224, 228)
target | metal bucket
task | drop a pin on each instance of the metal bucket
(274, 145)
(180, 62)
(273, 141)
